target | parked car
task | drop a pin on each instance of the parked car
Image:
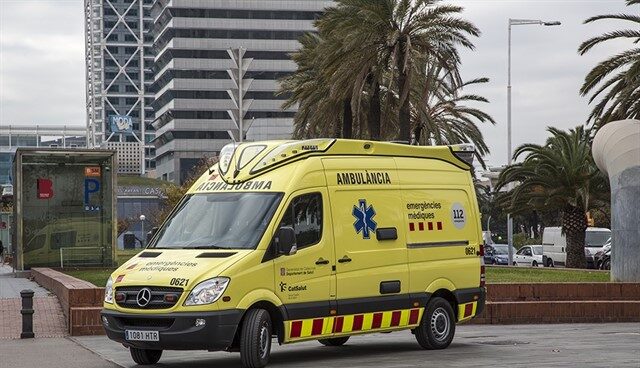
(606, 260)
(529, 255)
(497, 254)
(555, 244)
(598, 258)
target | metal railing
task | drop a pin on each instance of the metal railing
(81, 256)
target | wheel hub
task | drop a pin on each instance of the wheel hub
(265, 338)
(440, 324)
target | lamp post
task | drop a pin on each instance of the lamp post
(515, 22)
(143, 241)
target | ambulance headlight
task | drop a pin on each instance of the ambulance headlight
(108, 291)
(207, 291)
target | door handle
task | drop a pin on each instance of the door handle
(322, 261)
(344, 259)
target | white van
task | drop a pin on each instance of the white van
(554, 244)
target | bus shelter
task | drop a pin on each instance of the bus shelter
(64, 207)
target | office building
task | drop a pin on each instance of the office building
(46, 136)
(118, 73)
(196, 91)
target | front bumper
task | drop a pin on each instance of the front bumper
(177, 330)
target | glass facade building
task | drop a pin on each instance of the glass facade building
(119, 58)
(192, 73)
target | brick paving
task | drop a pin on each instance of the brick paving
(48, 319)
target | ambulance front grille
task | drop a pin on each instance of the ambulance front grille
(158, 294)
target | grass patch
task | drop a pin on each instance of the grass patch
(98, 277)
(520, 274)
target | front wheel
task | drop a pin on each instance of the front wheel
(145, 356)
(336, 341)
(534, 264)
(255, 339)
(515, 263)
(438, 325)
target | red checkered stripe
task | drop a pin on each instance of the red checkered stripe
(467, 310)
(354, 323)
(425, 226)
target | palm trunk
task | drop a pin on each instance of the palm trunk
(374, 115)
(574, 225)
(404, 113)
(337, 127)
(417, 132)
(347, 119)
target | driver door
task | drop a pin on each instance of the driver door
(305, 281)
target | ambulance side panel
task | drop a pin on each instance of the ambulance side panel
(372, 273)
(442, 225)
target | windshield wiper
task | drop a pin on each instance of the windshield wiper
(206, 247)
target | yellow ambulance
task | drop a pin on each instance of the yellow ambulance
(307, 240)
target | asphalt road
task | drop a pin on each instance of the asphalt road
(567, 345)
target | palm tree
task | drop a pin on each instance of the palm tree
(558, 176)
(309, 88)
(616, 80)
(442, 115)
(389, 38)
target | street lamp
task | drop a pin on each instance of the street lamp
(143, 241)
(515, 22)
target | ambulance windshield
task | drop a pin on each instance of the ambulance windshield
(218, 221)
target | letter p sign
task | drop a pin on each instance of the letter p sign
(90, 186)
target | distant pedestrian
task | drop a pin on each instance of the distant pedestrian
(1, 253)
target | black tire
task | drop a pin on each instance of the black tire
(550, 263)
(145, 356)
(534, 264)
(606, 264)
(335, 341)
(255, 339)
(515, 263)
(438, 325)
(493, 261)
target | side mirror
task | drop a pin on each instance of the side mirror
(286, 241)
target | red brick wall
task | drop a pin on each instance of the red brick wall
(506, 303)
(81, 301)
(561, 303)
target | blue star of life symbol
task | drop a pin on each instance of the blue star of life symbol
(364, 218)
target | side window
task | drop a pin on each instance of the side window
(527, 252)
(304, 214)
(521, 252)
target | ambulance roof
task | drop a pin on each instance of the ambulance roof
(242, 162)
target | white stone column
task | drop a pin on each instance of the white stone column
(616, 151)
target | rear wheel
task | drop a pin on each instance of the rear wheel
(438, 325)
(550, 262)
(145, 356)
(336, 341)
(255, 339)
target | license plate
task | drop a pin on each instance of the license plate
(134, 335)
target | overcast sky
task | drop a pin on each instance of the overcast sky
(42, 75)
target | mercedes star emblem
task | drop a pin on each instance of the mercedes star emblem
(144, 297)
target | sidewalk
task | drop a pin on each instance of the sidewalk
(48, 320)
(50, 353)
